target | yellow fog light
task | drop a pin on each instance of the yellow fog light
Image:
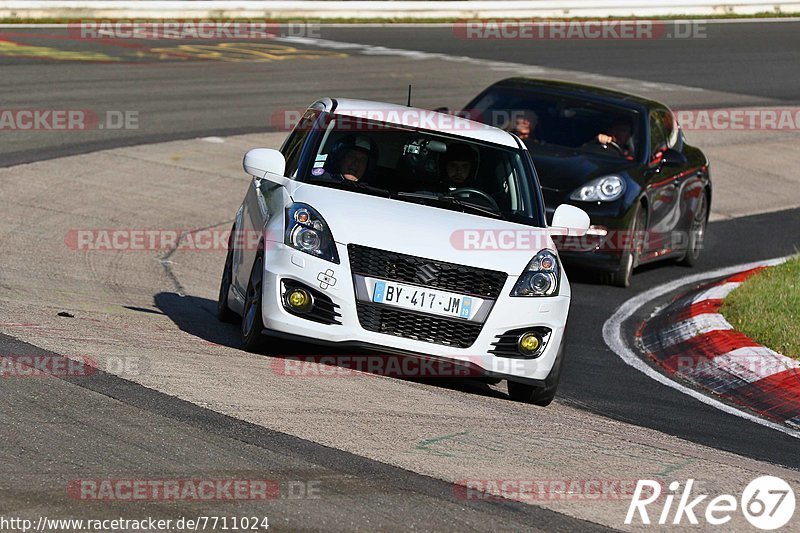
(529, 343)
(298, 300)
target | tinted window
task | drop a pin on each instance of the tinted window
(422, 166)
(293, 146)
(658, 139)
(670, 126)
(557, 121)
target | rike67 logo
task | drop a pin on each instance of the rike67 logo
(767, 503)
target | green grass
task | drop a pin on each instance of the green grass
(766, 307)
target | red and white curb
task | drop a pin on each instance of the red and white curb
(691, 341)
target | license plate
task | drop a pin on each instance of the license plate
(424, 299)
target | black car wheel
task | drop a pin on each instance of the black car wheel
(697, 233)
(224, 313)
(524, 393)
(541, 396)
(252, 323)
(630, 256)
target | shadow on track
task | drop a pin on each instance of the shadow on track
(197, 316)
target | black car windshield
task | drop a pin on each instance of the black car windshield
(545, 121)
(425, 167)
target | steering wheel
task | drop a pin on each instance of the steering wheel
(466, 191)
(617, 147)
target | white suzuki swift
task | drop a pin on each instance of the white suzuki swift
(403, 231)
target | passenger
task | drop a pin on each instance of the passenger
(524, 125)
(459, 165)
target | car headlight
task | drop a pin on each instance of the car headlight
(307, 231)
(605, 189)
(541, 276)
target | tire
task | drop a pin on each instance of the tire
(630, 258)
(252, 323)
(541, 396)
(224, 313)
(697, 234)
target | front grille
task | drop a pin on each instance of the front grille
(425, 272)
(417, 326)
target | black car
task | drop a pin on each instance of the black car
(621, 158)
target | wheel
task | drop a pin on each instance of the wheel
(697, 233)
(524, 393)
(622, 277)
(224, 313)
(541, 396)
(630, 257)
(252, 323)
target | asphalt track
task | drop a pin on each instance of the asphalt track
(104, 425)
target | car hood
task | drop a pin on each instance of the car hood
(565, 171)
(424, 231)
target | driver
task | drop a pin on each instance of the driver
(351, 157)
(619, 132)
(459, 165)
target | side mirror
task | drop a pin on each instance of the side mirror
(262, 161)
(572, 219)
(442, 109)
(673, 158)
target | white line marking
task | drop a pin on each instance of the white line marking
(720, 292)
(612, 334)
(629, 85)
(692, 327)
(750, 364)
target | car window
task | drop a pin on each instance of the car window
(293, 146)
(558, 122)
(658, 139)
(670, 126)
(428, 167)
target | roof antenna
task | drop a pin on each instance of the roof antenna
(409, 96)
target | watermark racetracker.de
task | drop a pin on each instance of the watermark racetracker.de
(67, 119)
(192, 29)
(740, 119)
(70, 366)
(538, 490)
(192, 489)
(540, 30)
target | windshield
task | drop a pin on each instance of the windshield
(425, 167)
(546, 122)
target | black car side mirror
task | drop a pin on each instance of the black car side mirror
(673, 158)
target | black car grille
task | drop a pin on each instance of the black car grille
(458, 333)
(425, 272)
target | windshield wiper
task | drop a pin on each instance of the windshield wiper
(452, 200)
(350, 184)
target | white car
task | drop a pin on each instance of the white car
(403, 231)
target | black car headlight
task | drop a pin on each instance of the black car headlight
(307, 231)
(605, 189)
(541, 276)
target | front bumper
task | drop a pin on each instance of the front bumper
(336, 281)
